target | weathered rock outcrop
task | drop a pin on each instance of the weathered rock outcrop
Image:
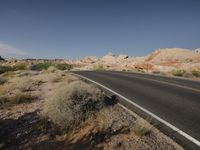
(172, 55)
(109, 59)
(90, 59)
(163, 60)
(122, 58)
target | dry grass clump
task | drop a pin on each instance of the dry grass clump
(56, 79)
(25, 84)
(28, 73)
(141, 128)
(70, 78)
(2, 80)
(18, 90)
(17, 97)
(8, 74)
(72, 104)
(59, 76)
(196, 73)
(52, 69)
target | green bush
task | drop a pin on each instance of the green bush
(196, 73)
(179, 73)
(47, 65)
(141, 131)
(41, 66)
(19, 67)
(4, 69)
(72, 104)
(63, 66)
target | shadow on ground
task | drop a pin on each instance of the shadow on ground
(20, 134)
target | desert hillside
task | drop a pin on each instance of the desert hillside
(165, 61)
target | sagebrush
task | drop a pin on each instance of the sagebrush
(72, 104)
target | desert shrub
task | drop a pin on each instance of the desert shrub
(72, 104)
(17, 97)
(70, 78)
(141, 128)
(179, 72)
(16, 67)
(19, 66)
(26, 73)
(24, 84)
(99, 67)
(41, 66)
(196, 73)
(52, 69)
(63, 66)
(56, 78)
(4, 69)
(2, 80)
(8, 74)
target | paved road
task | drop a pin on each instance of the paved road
(176, 101)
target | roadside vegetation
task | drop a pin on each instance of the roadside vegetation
(77, 100)
(47, 65)
(35, 67)
(99, 67)
(196, 73)
(6, 69)
(179, 73)
(17, 90)
(52, 109)
(2, 80)
(187, 74)
(142, 128)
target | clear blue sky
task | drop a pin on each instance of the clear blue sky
(77, 28)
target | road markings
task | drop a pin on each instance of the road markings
(195, 141)
(165, 82)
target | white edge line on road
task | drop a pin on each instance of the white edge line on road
(195, 141)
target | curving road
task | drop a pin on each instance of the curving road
(174, 101)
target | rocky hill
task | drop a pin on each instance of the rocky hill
(161, 60)
(173, 55)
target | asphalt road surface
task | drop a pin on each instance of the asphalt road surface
(176, 101)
